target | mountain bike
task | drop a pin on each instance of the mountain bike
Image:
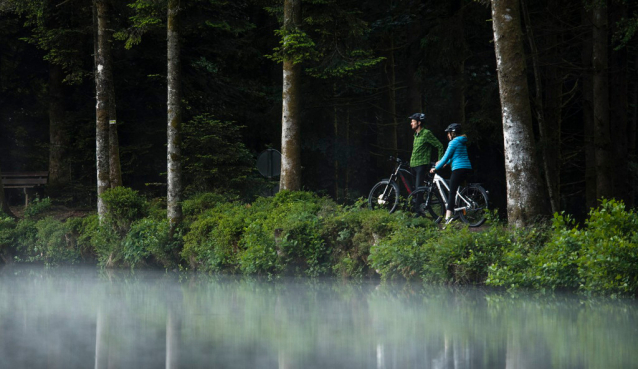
(470, 204)
(386, 194)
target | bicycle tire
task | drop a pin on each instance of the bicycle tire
(433, 209)
(474, 216)
(376, 198)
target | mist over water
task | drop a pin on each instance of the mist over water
(84, 317)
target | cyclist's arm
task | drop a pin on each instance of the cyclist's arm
(432, 140)
(447, 157)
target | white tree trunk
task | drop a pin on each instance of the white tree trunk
(101, 109)
(174, 159)
(524, 200)
(290, 135)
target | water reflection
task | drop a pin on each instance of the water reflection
(78, 318)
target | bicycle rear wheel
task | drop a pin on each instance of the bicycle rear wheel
(432, 208)
(474, 213)
(384, 195)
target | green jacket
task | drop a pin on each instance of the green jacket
(424, 142)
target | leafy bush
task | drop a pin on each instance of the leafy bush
(212, 244)
(124, 206)
(150, 238)
(608, 260)
(602, 257)
(37, 206)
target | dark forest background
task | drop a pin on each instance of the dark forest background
(370, 65)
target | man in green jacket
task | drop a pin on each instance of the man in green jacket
(424, 142)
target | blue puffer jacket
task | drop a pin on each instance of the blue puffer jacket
(456, 154)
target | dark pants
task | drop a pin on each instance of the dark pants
(458, 176)
(419, 173)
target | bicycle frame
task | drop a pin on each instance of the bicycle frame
(441, 183)
(405, 175)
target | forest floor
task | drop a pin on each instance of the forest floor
(58, 212)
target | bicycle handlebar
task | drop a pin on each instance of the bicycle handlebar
(395, 159)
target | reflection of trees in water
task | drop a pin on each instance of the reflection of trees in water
(147, 320)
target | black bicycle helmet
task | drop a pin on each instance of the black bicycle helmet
(454, 127)
(417, 116)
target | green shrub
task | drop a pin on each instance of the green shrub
(150, 238)
(53, 242)
(37, 206)
(202, 202)
(602, 257)
(83, 230)
(124, 206)
(212, 243)
(7, 227)
(404, 253)
(608, 260)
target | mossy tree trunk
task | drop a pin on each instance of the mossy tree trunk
(602, 134)
(115, 171)
(174, 159)
(101, 108)
(290, 178)
(59, 172)
(524, 200)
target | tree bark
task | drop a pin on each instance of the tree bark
(588, 110)
(602, 134)
(115, 171)
(524, 201)
(101, 109)
(290, 178)
(58, 139)
(619, 107)
(547, 116)
(174, 166)
(4, 207)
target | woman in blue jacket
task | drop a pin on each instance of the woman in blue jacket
(456, 155)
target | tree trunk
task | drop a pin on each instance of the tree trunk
(4, 207)
(58, 138)
(619, 106)
(114, 147)
(631, 144)
(602, 134)
(101, 109)
(524, 201)
(548, 121)
(290, 134)
(588, 111)
(174, 180)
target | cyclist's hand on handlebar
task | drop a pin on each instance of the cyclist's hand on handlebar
(432, 170)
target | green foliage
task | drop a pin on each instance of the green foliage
(599, 258)
(124, 206)
(148, 14)
(201, 202)
(212, 243)
(47, 240)
(296, 46)
(215, 159)
(608, 260)
(151, 238)
(37, 206)
(403, 254)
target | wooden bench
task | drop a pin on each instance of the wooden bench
(24, 180)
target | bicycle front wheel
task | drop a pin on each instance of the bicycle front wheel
(432, 208)
(384, 195)
(474, 213)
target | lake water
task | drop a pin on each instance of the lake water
(85, 317)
